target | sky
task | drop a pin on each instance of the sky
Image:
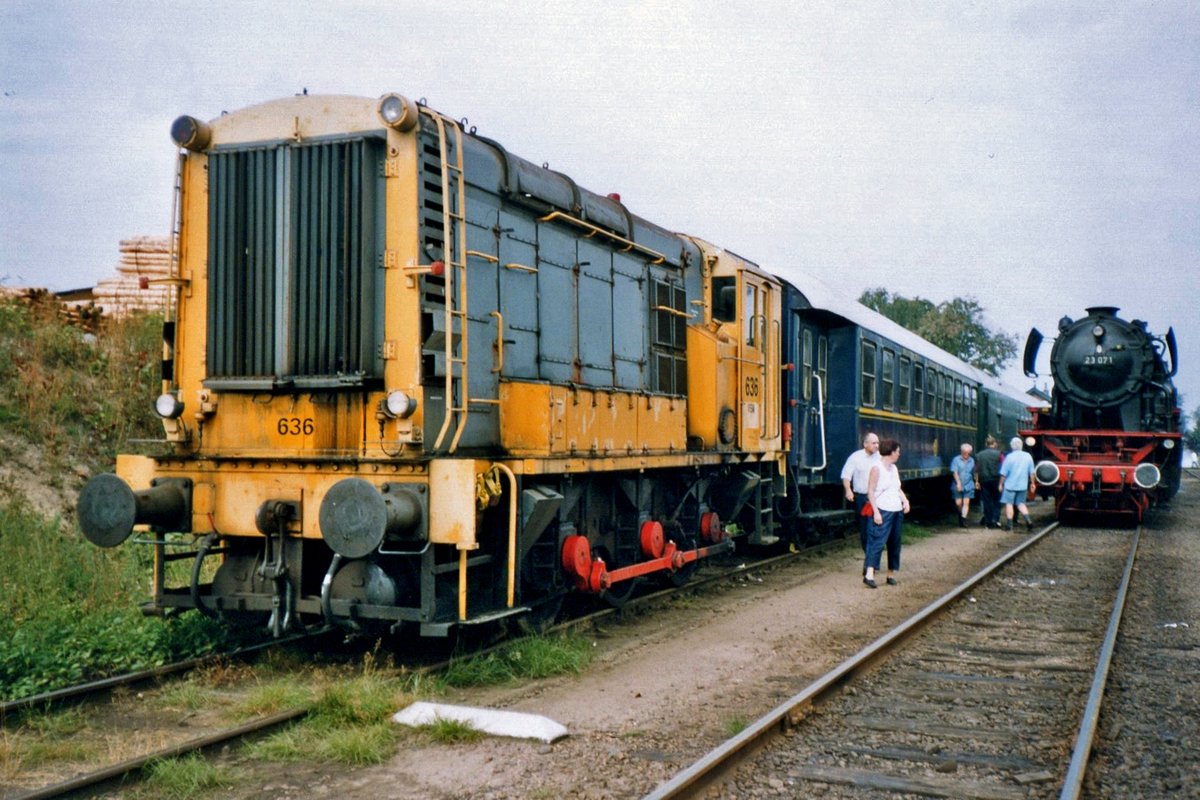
(1040, 157)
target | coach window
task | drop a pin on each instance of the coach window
(935, 392)
(905, 383)
(823, 365)
(974, 406)
(750, 313)
(887, 379)
(807, 361)
(958, 401)
(919, 389)
(868, 373)
(948, 397)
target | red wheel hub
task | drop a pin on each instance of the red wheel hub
(653, 541)
(710, 527)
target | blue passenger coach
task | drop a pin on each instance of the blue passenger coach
(853, 371)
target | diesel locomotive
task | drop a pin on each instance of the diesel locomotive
(412, 380)
(1109, 446)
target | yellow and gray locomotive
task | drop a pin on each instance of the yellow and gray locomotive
(411, 378)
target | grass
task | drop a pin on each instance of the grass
(912, 532)
(735, 725)
(526, 658)
(451, 731)
(187, 777)
(349, 719)
(81, 396)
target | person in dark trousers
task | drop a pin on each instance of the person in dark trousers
(854, 481)
(988, 463)
(890, 504)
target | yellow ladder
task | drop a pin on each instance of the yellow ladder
(454, 236)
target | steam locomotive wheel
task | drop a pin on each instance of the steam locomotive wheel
(541, 615)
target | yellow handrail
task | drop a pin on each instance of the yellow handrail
(512, 532)
(629, 245)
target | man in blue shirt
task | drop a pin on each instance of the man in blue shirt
(1016, 481)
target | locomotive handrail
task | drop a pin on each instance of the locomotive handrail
(658, 257)
(454, 239)
(499, 342)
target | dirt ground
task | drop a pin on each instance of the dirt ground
(668, 686)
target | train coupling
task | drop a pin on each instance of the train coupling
(108, 508)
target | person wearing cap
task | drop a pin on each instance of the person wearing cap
(1016, 482)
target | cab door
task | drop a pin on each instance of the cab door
(758, 364)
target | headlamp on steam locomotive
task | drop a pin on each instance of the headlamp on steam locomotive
(168, 406)
(1030, 441)
(397, 112)
(1098, 331)
(1168, 444)
(398, 405)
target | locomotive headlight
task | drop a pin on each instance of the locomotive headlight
(1168, 444)
(168, 406)
(1098, 331)
(397, 112)
(398, 405)
(1146, 476)
(1030, 441)
(191, 133)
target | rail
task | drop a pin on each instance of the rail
(718, 763)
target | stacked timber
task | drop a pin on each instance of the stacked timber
(144, 261)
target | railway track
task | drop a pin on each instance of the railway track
(127, 769)
(992, 692)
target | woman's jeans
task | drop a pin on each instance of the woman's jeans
(886, 534)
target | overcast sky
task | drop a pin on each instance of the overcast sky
(1041, 156)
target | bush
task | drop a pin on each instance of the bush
(68, 610)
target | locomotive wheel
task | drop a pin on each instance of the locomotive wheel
(619, 593)
(541, 616)
(684, 541)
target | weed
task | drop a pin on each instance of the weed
(735, 725)
(530, 657)
(911, 532)
(184, 696)
(273, 697)
(370, 744)
(187, 777)
(451, 731)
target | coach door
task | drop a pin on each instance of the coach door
(811, 392)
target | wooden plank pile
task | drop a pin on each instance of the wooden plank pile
(144, 260)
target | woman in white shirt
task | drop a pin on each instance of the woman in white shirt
(890, 504)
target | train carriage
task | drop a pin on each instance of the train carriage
(884, 379)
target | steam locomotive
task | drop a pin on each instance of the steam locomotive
(412, 380)
(1109, 446)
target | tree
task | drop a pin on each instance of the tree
(955, 325)
(1191, 429)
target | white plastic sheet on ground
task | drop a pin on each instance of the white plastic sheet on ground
(498, 723)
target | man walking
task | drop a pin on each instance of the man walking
(854, 480)
(1016, 481)
(988, 464)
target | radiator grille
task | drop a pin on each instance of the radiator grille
(295, 240)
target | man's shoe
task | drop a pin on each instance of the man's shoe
(962, 522)
(1008, 526)
(983, 523)
(1029, 525)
